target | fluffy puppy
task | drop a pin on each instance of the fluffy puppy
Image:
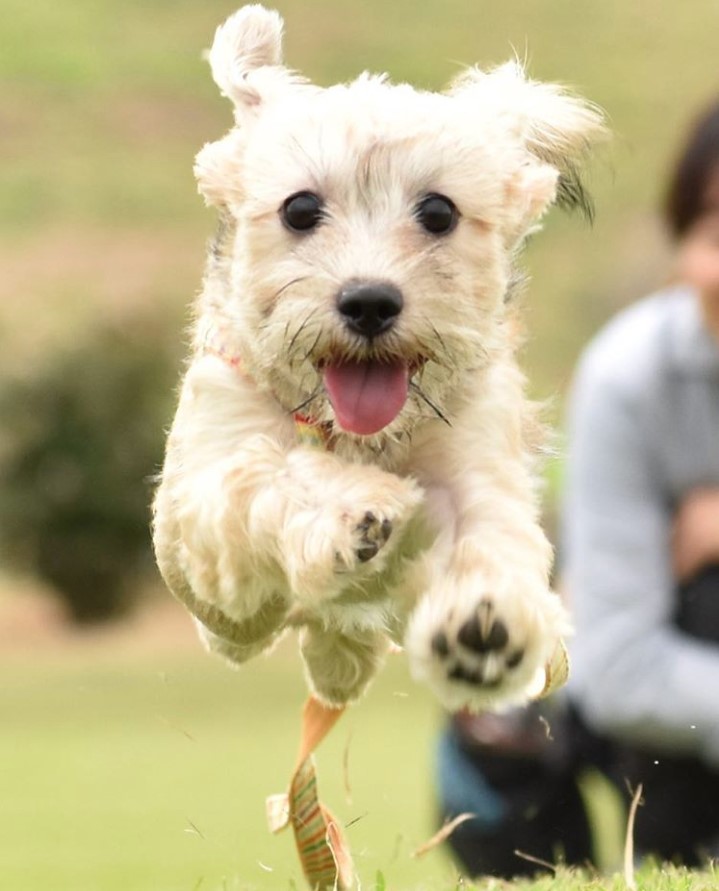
(358, 295)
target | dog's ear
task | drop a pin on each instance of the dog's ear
(246, 59)
(218, 170)
(246, 64)
(555, 127)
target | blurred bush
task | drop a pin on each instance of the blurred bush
(82, 438)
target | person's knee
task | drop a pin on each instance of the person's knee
(519, 800)
(464, 789)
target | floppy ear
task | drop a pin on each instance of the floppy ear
(218, 170)
(246, 63)
(246, 58)
(555, 127)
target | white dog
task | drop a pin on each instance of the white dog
(359, 294)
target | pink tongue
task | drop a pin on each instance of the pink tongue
(366, 396)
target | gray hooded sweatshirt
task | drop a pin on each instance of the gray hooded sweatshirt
(643, 432)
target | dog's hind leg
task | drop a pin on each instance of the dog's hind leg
(236, 641)
(234, 638)
(340, 666)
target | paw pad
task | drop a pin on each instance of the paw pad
(474, 676)
(478, 652)
(373, 534)
(482, 633)
(440, 645)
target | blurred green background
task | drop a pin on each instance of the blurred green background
(128, 758)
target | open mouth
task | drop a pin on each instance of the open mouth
(366, 395)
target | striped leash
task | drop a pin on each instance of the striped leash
(323, 851)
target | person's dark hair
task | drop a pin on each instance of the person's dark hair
(697, 164)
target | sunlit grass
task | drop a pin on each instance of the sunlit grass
(147, 773)
(125, 769)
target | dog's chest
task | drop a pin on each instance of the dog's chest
(388, 454)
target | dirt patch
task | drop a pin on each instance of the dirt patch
(32, 619)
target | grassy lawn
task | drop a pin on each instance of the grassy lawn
(130, 766)
(139, 771)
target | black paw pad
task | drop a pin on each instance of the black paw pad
(367, 551)
(460, 673)
(481, 639)
(514, 659)
(440, 645)
(474, 676)
(373, 535)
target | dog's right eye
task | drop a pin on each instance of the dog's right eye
(437, 214)
(302, 212)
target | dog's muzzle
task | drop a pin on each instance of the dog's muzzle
(369, 308)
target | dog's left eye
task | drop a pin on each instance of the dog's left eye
(302, 212)
(437, 214)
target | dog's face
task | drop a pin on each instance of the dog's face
(373, 227)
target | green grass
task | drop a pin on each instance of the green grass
(127, 770)
(649, 878)
(149, 773)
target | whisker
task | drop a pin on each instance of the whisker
(442, 352)
(422, 395)
(311, 350)
(310, 398)
(294, 281)
(438, 336)
(427, 351)
(300, 329)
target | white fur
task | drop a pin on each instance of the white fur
(256, 531)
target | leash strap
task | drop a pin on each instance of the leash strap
(323, 851)
(556, 671)
(321, 846)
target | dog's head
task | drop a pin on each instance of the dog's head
(371, 228)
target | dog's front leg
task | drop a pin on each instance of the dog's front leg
(244, 517)
(327, 522)
(488, 621)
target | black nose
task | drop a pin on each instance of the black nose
(369, 308)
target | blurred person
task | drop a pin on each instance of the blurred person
(640, 562)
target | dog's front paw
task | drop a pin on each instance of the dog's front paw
(330, 545)
(481, 650)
